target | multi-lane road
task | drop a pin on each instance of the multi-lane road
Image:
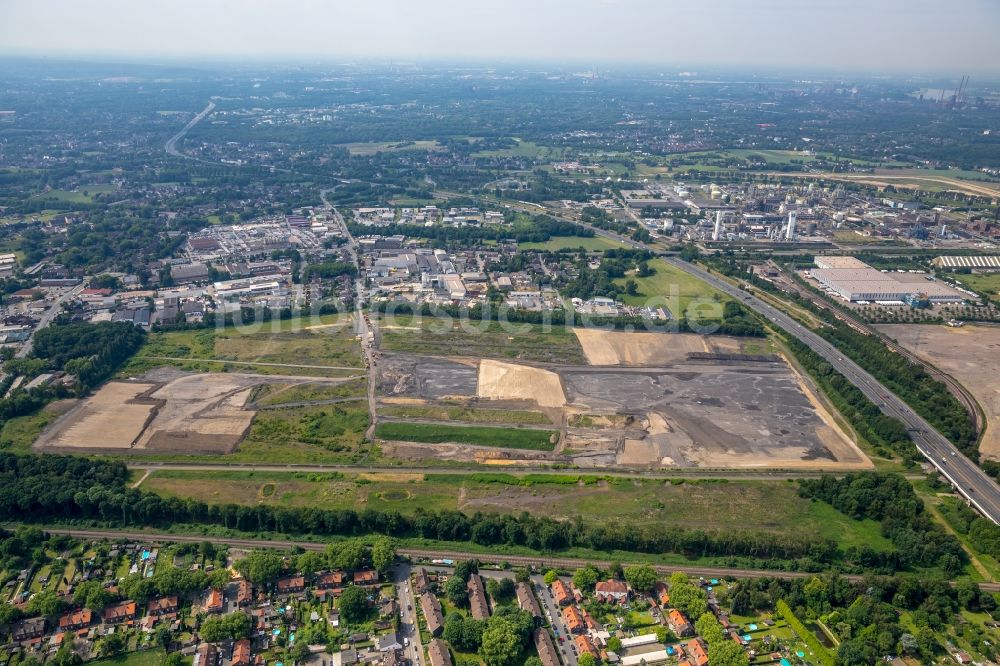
(171, 145)
(973, 484)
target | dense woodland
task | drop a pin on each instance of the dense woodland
(89, 353)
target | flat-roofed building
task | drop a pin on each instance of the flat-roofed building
(863, 283)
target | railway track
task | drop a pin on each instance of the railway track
(541, 561)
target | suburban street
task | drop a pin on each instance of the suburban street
(555, 617)
(408, 626)
(47, 318)
(362, 323)
(973, 484)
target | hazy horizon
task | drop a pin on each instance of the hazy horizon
(914, 36)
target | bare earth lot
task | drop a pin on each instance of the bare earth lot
(971, 355)
(643, 401)
(166, 411)
(614, 348)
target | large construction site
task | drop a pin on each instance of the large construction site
(641, 400)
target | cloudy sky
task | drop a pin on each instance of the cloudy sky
(912, 35)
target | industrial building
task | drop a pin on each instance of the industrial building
(856, 281)
(981, 263)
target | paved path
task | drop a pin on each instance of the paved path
(272, 365)
(616, 472)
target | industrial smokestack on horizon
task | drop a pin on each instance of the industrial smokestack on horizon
(790, 229)
(718, 225)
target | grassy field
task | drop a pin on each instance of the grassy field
(848, 236)
(18, 434)
(277, 394)
(388, 147)
(679, 289)
(769, 506)
(446, 337)
(465, 414)
(528, 149)
(595, 244)
(986, 283)
(336, 428)
(144, 658)
(324, 341)
(432, 433)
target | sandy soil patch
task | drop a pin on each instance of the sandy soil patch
(201, 409)
(108, 419)
(617, 348)
(509, 381)
(970, 354)
(178, 412)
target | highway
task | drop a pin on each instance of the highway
(970, 481)
(171, 145)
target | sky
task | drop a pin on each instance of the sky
(873, 35)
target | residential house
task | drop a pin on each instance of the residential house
(420, 581)
(76, 620)
(165, 607)
(614, 591)
(662, 594)
(244, 593)
(477, 598)
(291, 585)
(574, 620)
(330, 580)
(585, 645)
(561, 592)
(526, 599)
(546, 648)
(366, 577)
(27, 630)
(214, 601)
(438, 652)
(206, 655)
(120, 613)
(696, 652)
(241, 653)
(678, 623)
(388, 642)
(432, 613)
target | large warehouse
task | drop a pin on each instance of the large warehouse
(854, 281)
